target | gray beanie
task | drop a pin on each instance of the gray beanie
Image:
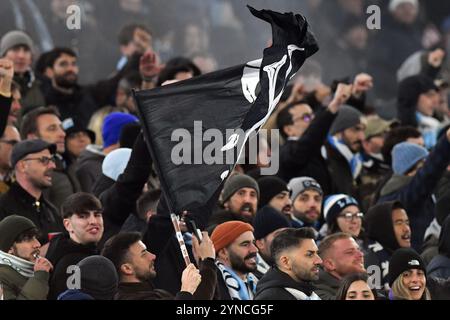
(14, 38)
(99, 277)
(236, 182)
(347, 117)
(10, 228)
(299, 185)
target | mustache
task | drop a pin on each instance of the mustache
(287, 208)
(250, 256)
(247, 206)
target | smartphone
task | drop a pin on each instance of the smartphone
(192, 227)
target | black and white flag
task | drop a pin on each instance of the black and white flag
(196, 129)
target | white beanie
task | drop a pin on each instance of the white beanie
(115, 163)
(393, 4)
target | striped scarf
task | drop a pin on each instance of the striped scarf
(237, 288)
(355, 161)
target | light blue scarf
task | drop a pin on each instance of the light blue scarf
(355, 161)
(237, 288)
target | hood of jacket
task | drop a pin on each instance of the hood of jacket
(379, 226)
(275, 278)
(92, 153)
(394, 184)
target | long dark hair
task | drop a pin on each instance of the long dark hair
(347, 282)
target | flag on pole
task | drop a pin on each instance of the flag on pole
(196, 129)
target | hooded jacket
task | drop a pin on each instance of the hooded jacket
(88, 167)
(382, 240)
(327, 286)
(19, 287)
(439, 266)
(62, 253)
(415, 193)
(277, 285)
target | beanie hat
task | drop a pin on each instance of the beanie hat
(405, 155)
(14, 38)
(113, 125)
(269, 187)
(379, 226)
(10, 228)
(267, 220)
(115, 163)
(334, 204)
(224, 234)
(236, 182)
(402, 260)
(99, 277)
(393, 4)
(347, 117)
(300, 185)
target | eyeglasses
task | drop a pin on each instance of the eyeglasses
(44, 160)
(350, 216)
(10, 142)
(306, 117)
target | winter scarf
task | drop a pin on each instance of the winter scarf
(236, 287)
(355, 161)
(24, 267)
(262, 265)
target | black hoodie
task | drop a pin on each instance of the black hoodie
(274, 284)
(382, 240)
(62, 253)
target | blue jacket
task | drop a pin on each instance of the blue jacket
(415, 193)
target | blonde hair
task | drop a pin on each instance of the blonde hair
(96, 121)
(401, 292)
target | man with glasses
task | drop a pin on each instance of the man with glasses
(33, 162)
(341, 256)
(45, 123)
(9, 139)
(305, 134)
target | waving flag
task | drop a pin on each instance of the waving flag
(196, 129)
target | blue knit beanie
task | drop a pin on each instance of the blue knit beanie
(112, 126)
(334, 204)
(405, 155)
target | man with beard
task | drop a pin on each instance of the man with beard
(267, 223)
(45, 123)
(23, 273)
(72, 101)
(240, 196)
(33, 163)
(83, 221)
(306, 196)
(341, 256)
(136, 269)
(274, 193)
(297, 263)
(341, 150)
(236, 260)
(388, 230)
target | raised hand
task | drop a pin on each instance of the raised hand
(436, 57)
(342, 94)
(363, 83)
(43, 264)
(149, 66)
(190, 279)
(6, 76)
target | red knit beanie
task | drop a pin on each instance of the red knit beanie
(225, 233)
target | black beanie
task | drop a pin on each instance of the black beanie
(10, 228)
(99, 277)
(402, 260)
(379, 226)
(267, 220)
(269, 187)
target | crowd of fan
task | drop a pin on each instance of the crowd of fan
(359, 208)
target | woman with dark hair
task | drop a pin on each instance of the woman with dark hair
(355, 287)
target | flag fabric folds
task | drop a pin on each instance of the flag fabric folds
(196, 129)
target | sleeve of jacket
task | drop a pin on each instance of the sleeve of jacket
(120, 199)
(5, 107)
(312, 140)
(207, 287)
(426, 179)
(36, 288)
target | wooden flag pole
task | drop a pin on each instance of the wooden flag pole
(176, 226)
